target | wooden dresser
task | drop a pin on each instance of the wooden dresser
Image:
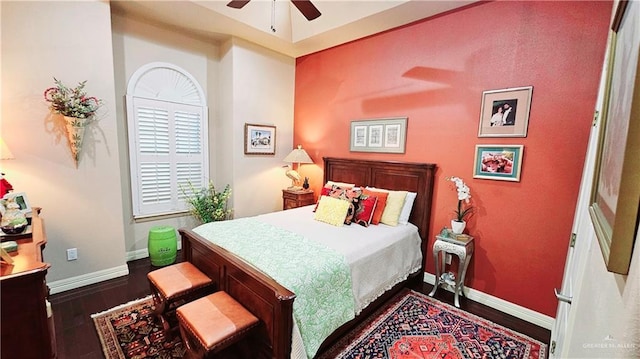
(27, 331)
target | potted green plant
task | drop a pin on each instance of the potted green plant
(77, 108)
(208, 204)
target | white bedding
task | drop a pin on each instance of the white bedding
(379, 256)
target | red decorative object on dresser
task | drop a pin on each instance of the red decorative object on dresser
(27, 330)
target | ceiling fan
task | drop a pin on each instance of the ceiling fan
(305, 6)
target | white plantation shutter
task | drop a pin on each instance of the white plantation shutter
(188, 149)
(167, 142)
(168, 150)
(155, 183)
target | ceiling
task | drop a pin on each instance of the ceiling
(340, 22)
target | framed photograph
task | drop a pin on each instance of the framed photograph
(616, 187)
(259, 139)
(505, 113)
(387, 135)
(498, 162)
(21, 200)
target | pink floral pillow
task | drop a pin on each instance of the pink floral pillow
(350, 195)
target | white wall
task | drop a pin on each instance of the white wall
(605, 313)
(89, 207)
(82, 207)
(234, 83)
(136, 44)
(262, 93)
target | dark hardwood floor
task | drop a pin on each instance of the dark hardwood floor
(76, 336)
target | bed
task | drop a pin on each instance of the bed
(272, 302)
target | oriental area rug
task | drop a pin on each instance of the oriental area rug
(415, 325)
(130, 331)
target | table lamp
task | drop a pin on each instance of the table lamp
(297, 155)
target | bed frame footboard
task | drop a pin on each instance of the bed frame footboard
(259, 293)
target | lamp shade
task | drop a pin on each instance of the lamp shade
(298, 155)
(5, 153)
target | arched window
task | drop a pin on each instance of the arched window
(167, 128)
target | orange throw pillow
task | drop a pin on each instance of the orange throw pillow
(382, 202)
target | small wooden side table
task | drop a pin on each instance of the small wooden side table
(296, 198)
(461, 247)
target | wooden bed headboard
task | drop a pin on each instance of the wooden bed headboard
(399, 176)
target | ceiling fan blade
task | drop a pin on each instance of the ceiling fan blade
(238, 4)
(307, 9)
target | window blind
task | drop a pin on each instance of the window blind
(167, 152)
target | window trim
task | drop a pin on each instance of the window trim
(139, 91)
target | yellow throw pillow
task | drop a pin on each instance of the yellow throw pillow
(395, 202)
(332, 210)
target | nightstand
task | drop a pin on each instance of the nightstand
(296, 198)
(461, 246)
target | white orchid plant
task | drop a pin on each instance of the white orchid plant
(464, 194)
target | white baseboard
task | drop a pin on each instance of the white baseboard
(143, 253)
(99, 276)
(502, 305)
(86, 279)
(139, 254)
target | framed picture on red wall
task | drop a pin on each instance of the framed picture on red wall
(498, 162)
(379, 135)
(614, 208)
(505, 113)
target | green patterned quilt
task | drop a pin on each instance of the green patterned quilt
(319, 276)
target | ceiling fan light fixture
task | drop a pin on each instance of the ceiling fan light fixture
(238, 4)
(307, 8)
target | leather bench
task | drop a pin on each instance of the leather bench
(173, 286)
(213, 323)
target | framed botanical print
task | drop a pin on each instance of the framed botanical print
(379, 135)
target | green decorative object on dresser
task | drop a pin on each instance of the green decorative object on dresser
(10, 246)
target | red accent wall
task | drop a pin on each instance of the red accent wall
(434, 72)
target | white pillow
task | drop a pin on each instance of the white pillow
(406, 209)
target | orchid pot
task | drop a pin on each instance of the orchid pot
(458, 227)
(464, 195)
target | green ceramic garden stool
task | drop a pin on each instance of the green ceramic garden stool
(163, 245)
